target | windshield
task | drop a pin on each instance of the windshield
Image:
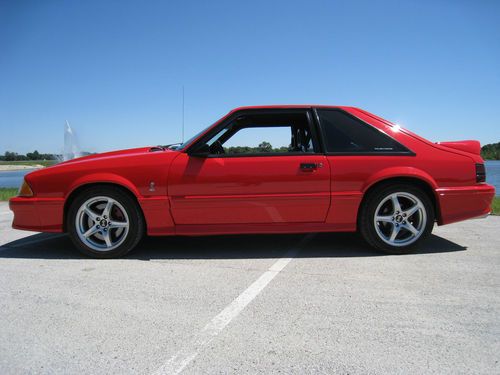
(190, 140)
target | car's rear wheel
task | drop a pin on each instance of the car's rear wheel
(105, 222)
(395, 219)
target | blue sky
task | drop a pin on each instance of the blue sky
(115, 69)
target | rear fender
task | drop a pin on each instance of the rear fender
(398, 172)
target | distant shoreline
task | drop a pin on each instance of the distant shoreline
(13, 167)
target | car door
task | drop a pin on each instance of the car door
(253, 183)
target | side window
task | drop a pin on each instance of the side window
(259, 140)
(344, 133)
(264, 134)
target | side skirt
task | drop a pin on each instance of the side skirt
(218, 229)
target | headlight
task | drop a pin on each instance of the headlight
(25, 190)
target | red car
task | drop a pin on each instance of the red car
(330, 169)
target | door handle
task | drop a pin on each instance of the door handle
(308, 167)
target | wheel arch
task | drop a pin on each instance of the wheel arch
(412, 180)
(77, 190)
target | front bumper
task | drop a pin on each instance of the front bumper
(37, 214)
(465, 202)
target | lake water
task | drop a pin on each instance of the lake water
(15, 178)
(493, 174)
(12, 179)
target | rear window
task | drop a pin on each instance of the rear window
(344, 133)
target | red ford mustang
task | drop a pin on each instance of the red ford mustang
(330, 169)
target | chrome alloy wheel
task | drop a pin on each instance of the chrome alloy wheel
(400, 219)
(102, 223)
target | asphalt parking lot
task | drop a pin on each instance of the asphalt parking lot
(321, 303)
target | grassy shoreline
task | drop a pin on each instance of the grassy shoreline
(44, 163)
(6, 193)
(495, 207)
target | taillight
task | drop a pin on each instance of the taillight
(480, 173)
(25, 190)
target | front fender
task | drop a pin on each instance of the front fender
(156, 209)
(103, 177)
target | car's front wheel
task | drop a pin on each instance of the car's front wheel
(105, 222)
(395, 219)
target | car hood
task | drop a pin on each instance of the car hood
(94, 160)
(113, 154)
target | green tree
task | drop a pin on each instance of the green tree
(491, 151)
(35, 155)
(10, 156)
(265, 147)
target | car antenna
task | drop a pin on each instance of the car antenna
(182, 114)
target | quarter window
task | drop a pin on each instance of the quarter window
(346, 134)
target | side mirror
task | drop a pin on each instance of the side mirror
(201, 151)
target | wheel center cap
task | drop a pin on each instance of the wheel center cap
(398, 219)
(103, 223)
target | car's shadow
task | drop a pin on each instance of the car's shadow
(50, 246)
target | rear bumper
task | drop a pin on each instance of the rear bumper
(466, 202)
(37, 214)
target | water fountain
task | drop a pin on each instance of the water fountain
(71, 147)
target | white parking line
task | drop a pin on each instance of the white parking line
(183, 357)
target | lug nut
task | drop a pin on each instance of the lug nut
(404, 215)
(98, 219)
(105, 217)
(97, 226)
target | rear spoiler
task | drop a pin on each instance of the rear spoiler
(474, 147)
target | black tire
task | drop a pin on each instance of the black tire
(136, 224)
(374, 233)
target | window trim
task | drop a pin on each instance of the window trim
(317, 144)
(406, 151)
